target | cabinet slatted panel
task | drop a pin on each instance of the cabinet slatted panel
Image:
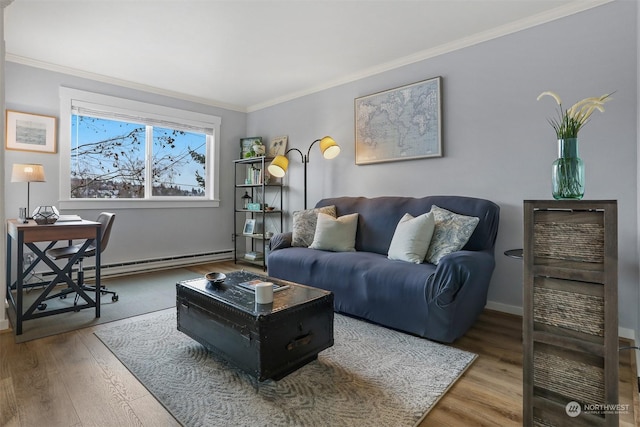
(570, 330)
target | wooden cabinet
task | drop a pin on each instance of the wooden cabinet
(257, 210)
(570, 330)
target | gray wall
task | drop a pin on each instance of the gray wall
(497, 142)
(139, 233)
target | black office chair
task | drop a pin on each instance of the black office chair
(106, 219)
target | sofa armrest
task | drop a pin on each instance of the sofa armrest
(280, 241)
(457, 271)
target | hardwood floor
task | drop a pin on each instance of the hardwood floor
(72, 379)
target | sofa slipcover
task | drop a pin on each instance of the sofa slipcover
(440, 302)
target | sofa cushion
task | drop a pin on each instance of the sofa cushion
(452, 231)
(304, 224)
(335, 234)
(411, 238)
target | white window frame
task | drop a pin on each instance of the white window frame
(70, 98)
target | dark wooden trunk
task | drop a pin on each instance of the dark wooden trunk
(266, 341)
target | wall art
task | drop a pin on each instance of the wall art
(399, 124)
(30, 132)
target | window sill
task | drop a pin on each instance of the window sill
(135, 204)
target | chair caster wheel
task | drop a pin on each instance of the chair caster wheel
(63, 296)
(42, 306)
(114, 298)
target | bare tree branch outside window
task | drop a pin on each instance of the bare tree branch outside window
(108, 160)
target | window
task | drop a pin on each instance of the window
(128, 151)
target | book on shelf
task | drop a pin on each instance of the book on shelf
(256, 176)
(251, 285)
(254, 256)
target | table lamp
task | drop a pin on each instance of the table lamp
(27, 172)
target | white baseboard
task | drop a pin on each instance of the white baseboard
(142, 266)
(4, 323)
(148, 265)
(504, 308)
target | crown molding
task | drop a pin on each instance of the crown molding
(5, 3)
(494, 33)
(119, 82)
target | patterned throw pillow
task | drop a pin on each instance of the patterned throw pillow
(451, 233)
(304, 224)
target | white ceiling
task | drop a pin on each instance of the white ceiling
(246, 55)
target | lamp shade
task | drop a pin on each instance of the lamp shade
(27, 172)
(329, 147)
(278, 166)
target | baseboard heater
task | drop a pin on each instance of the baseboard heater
(152, 264)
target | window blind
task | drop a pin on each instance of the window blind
(92, 110)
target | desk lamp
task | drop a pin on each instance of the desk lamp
(279, 165)
(29, 172)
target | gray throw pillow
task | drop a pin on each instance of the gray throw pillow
(451, 233)
(304, 224)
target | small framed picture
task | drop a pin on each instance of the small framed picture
(278, 146)
(246, 146)
(249, 226)
(30, 132)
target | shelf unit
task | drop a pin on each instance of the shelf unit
(251, 178)
(570, 321)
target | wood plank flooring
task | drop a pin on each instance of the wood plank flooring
(72, 379)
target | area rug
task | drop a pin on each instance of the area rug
(137, 294)
(371, 376)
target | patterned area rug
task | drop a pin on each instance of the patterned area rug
(371, 376)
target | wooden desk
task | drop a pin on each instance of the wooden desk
(27, 235)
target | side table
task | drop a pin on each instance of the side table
(515, 253)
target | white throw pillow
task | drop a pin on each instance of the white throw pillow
(335, 234)
(451, 233)
(304, 224)
(412, 237)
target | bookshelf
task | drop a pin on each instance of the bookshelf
(257, 210)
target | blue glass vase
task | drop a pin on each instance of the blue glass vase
(568, 171)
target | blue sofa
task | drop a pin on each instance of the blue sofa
(439, 302)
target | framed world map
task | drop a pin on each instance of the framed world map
(399, 124)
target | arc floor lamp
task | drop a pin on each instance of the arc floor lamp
(279, 165)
